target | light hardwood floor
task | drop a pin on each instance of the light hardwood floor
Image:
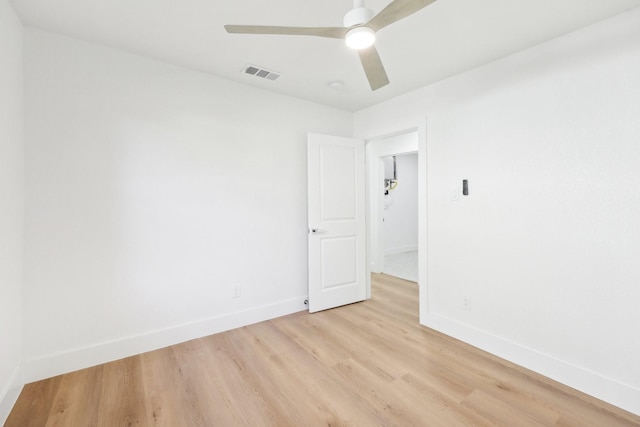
(366, 364)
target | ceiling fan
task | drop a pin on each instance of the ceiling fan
(359, 32)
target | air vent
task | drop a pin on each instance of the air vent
(260, 72)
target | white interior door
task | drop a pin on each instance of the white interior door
(336, 219)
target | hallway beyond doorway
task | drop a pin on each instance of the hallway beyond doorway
(403, 265)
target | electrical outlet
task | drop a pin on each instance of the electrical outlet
(236, 291)
(466, 302)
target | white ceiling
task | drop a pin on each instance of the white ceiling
(445, 38)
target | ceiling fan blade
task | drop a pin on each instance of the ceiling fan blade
(395, 11)
(329, 32)
(373, 68)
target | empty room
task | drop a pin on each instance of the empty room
(195, 213)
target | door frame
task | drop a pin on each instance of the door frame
(374, 168)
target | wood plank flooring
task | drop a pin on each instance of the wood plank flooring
(366, 364)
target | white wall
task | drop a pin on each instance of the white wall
(11, 207)
(546, 245)
(152, 191)
(401, 213)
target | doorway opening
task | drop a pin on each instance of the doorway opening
(393, 205)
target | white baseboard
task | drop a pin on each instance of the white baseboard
(400, 250)
(10, 394)
(609, 390)
(80, 358)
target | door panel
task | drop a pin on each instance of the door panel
(339, 261)
(336, 218)
(338, 192)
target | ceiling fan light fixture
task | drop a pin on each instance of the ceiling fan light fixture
(360, 38)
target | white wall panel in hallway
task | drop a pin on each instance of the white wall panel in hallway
(401, 206)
